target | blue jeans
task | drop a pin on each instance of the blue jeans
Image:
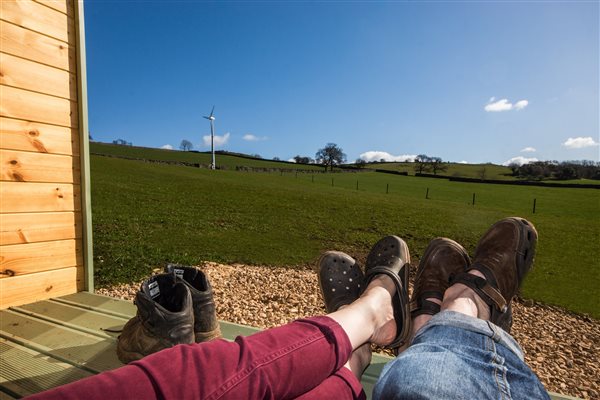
(455, 356)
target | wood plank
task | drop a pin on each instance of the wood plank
(96, 302)
(16, 134)
(32, 106)
(6, 396)
(72, 346)
(89, 321)
(25, 289)
(29, 258)
(20, 166)
(64, 6)
(30, 75)
(34, 46)
(39, 227)
(39, 18)
(39, 197)
(24, 371)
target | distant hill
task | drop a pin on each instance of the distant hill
(224, 159)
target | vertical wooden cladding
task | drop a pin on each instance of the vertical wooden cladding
(39, 18)
(21, 166)
(23, 228)
(39, 197)
(22, 42)
(32, 106)
(40, 209)
(43, 285)
(34, 136)
(30, 75)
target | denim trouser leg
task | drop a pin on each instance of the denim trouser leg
(455, 356)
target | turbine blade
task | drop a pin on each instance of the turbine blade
(212, 111)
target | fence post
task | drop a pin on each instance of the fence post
(534, 201)
(387, 188)
(313, 178)
(357, 184)
(473, 198)
(427, 194)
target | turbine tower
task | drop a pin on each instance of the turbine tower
(211, 118)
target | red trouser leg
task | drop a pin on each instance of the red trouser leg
(279, 363)
(341, 385)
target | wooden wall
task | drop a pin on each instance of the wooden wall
(41, 242)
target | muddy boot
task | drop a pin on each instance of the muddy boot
(206, 326)
(164, 318)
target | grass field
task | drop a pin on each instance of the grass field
(148, 214)
(222, 160)
(492, 171)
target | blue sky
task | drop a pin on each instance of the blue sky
(464, 81)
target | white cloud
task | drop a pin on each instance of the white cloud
(378, 155)
(528, 150)
(166, 147)
(520, 160)
(219, 140)
(580, 142)
(252, 138)
(292, 160)
(504, 105)
(521, 104)
(463, 162)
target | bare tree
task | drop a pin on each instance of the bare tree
(422, 163)
(186, 145)
(437, 165)
(302, 160)
(482, 173)
(330, 155)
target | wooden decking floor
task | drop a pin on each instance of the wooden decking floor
(61, 340)
(57, 341)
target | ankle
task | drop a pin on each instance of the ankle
(461, 298)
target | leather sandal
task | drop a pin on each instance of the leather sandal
(504, 255)
(442, 258)
(340, 279)
(390, 256)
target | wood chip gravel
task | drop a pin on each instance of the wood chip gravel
(562, 348)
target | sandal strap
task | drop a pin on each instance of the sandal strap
(422, 306)
(488, 293)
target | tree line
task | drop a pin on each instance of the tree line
(584, 169)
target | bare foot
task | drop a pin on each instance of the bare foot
(463, 299)
(379, 294)
(420, 320)
(359, 360)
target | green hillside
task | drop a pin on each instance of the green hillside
(228, 161)
(489, 171)
(147, 214)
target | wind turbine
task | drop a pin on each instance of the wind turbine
(211, 118)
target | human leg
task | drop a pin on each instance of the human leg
(279, 363)
(460, 354)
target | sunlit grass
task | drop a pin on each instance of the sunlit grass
(148, 214)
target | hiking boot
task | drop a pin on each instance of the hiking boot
(164, 318)
(206, 326)
(503, 255)
(442, 258)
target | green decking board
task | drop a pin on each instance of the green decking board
(61, 340)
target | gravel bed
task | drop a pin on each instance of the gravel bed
(562, 348)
